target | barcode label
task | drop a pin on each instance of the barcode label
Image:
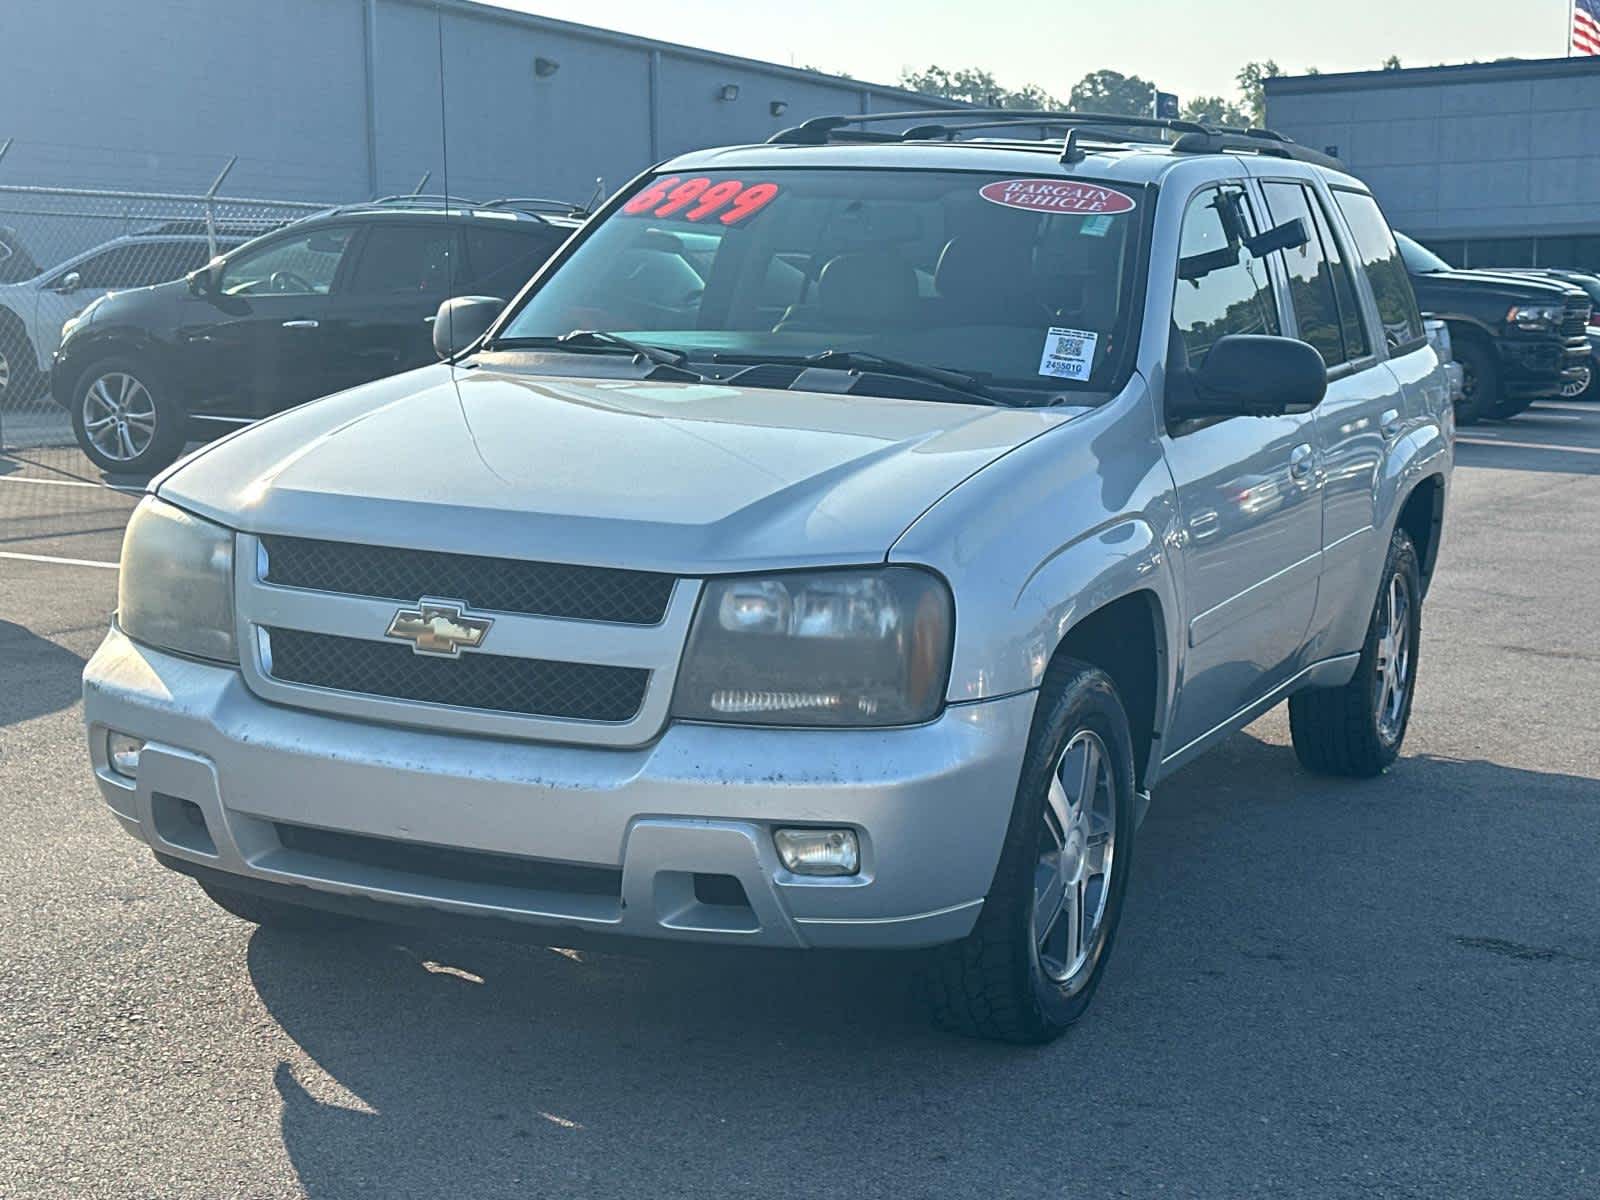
(1068, 353)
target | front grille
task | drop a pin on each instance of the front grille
(1576, 322)
(527, 686)
(498, 584)
(455, 866)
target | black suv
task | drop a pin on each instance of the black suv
(326, 303)
(1518, 338)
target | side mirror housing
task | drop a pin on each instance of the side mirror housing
(203, 281)
(462, 321)
(1250, 375)
(70, 282)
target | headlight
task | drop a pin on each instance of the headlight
(69, 325)
(175, 590)
(1535, 318)
(844, 647)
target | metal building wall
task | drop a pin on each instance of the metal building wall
(1483, 151)
(338, 99)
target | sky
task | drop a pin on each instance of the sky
(1185, 47)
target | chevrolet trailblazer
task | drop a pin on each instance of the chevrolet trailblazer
(830, 547)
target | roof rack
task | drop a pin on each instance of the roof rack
(536, 205)
(1194, 137)
(417, 200)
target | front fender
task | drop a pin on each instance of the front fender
(1048, 534)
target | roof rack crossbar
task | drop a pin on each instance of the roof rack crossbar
(416, 199)
(1218, 141)
(533, 204)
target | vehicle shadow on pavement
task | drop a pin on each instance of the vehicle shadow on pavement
(1297, 955)
(36, 675)
(1546, 440)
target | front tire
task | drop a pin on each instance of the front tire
(1031, 964)
(1480, 382)
(126, 417)
(1357, 729)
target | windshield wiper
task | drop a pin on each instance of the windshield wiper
(955, 381)
(597, 339)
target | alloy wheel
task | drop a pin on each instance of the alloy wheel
(1072, 877)
(119, 415)
(5, 372)
(1393, 660)
(1576, 387)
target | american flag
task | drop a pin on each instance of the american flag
(1586, 26)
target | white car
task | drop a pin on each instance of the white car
(33, 311)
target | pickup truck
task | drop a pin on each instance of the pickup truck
(1518, 338)
(831, 547)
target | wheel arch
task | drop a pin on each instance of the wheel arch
(1421, 515)
(1127, 639)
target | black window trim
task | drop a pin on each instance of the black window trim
(1350, 366)
(1411, 344)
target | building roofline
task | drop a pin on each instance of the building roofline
(1516, 68)
(475, 10)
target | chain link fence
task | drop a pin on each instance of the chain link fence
(61, 248)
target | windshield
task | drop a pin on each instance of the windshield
(1418, 258)
(1023, 283)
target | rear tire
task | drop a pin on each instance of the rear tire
(126, 416)
(1357, 729)
(19, 368)
(1032, 962)
(275, 914)
(1480, 381)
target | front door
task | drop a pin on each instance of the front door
(263, 339)
(1250, 512)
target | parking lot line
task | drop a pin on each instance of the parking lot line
(1495, 441)
(62, 562)
(77, 483)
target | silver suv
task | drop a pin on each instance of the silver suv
(831, 547)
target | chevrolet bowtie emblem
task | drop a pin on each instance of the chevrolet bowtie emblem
(439, 627)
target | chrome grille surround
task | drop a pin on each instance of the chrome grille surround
(262, 607)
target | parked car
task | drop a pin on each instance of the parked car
(33, 311)
(334, 300)
(16, 264)
(1587, 386)
(1439, 335)
(830, 547)
(1518, 338)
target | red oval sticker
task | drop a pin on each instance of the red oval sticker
(1056, 196)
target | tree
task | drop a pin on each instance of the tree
(1252, 79)
(974, 85)
(1214, 110)
(1392, 63)
(1107, 91)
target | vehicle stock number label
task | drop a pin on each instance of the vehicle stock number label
(1068, 353)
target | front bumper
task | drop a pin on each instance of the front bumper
(1539, 366)
(230, 783)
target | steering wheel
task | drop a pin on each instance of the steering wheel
(288, 281)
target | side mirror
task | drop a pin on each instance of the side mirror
(70, 282)
(1250, 375)
(462, 321)
(203, 281)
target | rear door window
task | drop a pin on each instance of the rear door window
(500, 261)
(1381, 259)
(404, 260)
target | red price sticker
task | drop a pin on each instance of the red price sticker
(699, 199)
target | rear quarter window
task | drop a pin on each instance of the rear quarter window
(1379, 256)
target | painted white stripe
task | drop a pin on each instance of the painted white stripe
(1477, 441)
(77, 483)
(51, 558)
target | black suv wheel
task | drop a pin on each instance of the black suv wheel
(126, 418)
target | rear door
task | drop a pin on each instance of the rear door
(1362, 413)
(264, 341)
(403, 271)
(1251, 516)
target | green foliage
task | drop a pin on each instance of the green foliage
(1392, 63)
(1252, 79)
(1215, 110)
(973, 85)
(1108, 91)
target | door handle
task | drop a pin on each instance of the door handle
(301, 324)
(1390, 423)
(1301, 460)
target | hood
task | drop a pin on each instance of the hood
(686, 478)
(1514, 287)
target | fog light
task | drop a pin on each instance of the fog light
(819, 851)
(122, 752)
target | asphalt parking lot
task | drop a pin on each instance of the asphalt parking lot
(1321, 988)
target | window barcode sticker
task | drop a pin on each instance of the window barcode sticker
(1068, 353)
